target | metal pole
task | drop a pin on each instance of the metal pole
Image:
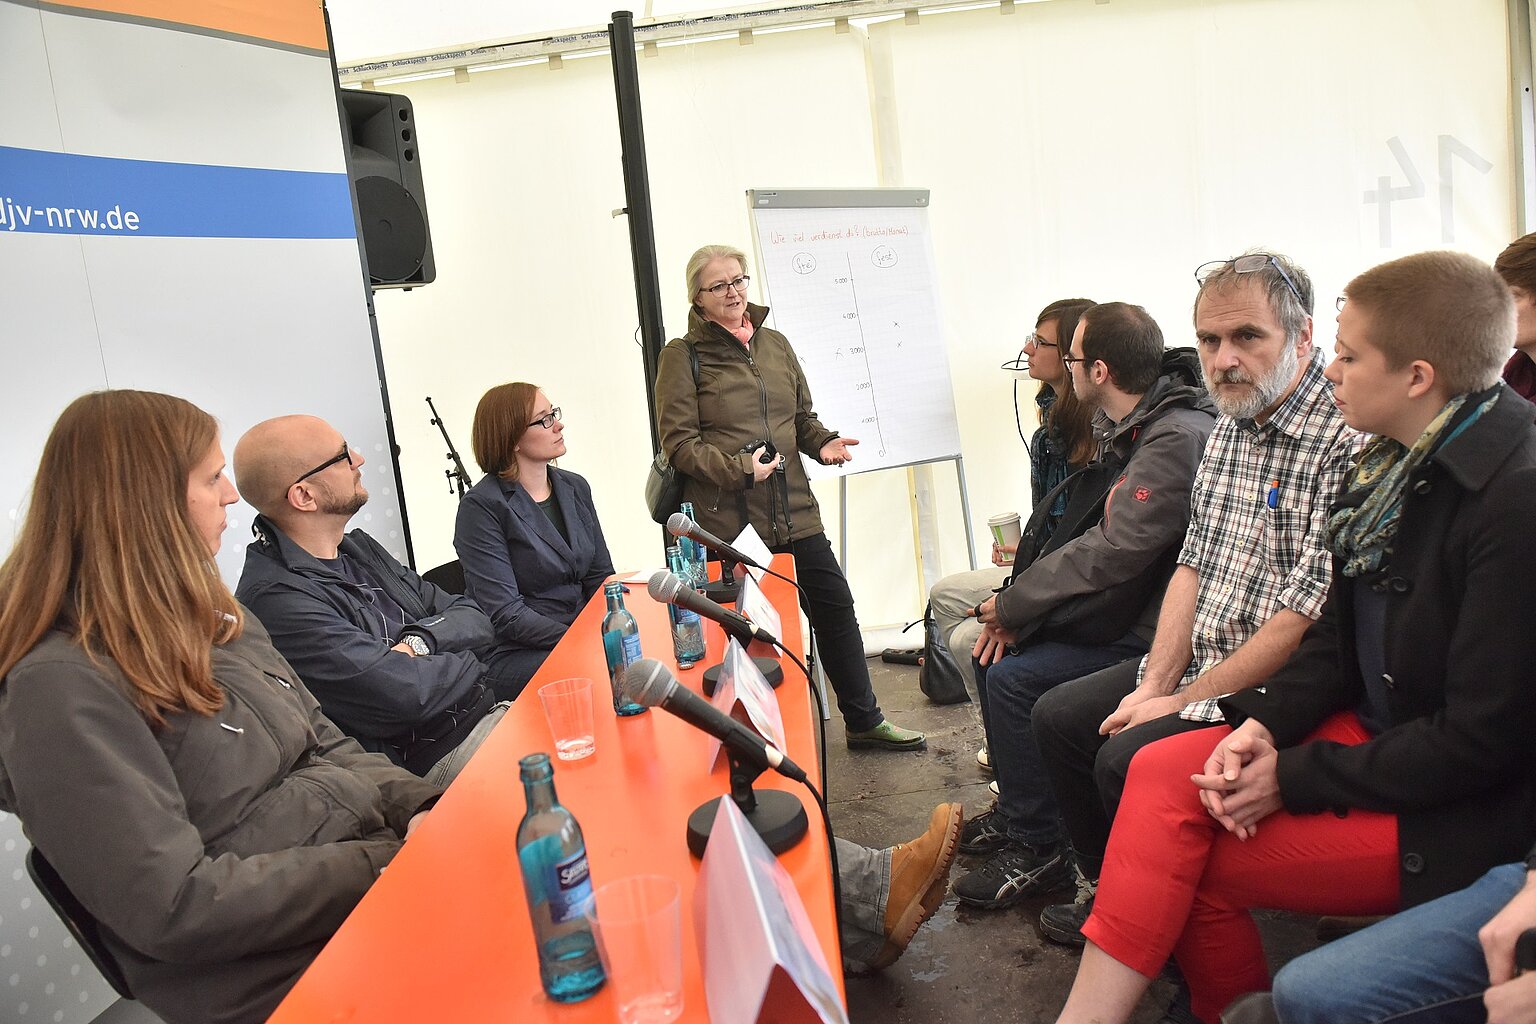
(637, 197)
(1522, 113)
(965, 511)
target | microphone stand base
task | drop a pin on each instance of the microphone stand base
(769, 667)
(778, 817)
(722, 592)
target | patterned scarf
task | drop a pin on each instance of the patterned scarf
(1361, 533)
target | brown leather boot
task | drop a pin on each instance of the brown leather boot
(919, 880)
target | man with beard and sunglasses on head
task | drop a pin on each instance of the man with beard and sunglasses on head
(394, 661)
(1254, 568)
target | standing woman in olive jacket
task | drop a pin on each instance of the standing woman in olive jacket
(751, 391)
(527, 534)
(158, 750)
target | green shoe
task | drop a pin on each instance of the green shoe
(886, 736)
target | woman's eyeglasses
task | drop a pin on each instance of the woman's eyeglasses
(738, 283)
(548, 419)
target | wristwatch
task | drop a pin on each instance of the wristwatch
(416, 643)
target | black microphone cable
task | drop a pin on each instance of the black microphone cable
(837, 877)
(821, 710)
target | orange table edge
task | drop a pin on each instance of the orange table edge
(444, 934)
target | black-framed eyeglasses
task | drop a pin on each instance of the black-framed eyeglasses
(1039, 342)
(1069, 359)
(738, 283)
(1251, 263)
(548, 419)
(344, 456)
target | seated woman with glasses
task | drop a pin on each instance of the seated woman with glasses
(527, 533)
(159, 752)
(727, 428)
(1061, 445)
(1387, 762)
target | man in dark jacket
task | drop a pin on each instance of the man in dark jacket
(393, 660)
(1032, 634)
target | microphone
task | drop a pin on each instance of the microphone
(679, 525)
(668, 589)
(649, 682)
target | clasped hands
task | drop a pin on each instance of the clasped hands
(993, 642)
(1240, 785)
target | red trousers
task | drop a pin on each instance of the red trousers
(1176, 882)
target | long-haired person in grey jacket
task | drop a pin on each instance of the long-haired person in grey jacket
(157, 749)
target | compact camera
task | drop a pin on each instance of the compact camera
(765, 450)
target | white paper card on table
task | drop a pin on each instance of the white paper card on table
(756, 606)
(743, 686)
(756, 944)
(750, 544)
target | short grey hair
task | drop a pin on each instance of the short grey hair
(703, 258)
(1291, 308)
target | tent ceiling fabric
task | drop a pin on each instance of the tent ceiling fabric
(369, 32)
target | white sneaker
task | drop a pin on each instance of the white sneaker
(984, 759)
(993, 787)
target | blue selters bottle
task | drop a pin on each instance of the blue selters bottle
(621, 647)
(687, 631)
(553, 858)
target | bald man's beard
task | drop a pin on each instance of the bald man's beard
(333, 504)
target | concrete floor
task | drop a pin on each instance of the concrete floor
(964, 965)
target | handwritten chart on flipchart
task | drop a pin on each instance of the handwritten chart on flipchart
(848, 275)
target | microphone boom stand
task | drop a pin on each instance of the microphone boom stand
(458, 476)
(778, 817)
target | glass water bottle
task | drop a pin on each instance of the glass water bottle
(687, 632)
(621, 646)
(553, 858)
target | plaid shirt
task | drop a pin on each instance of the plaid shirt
(1252, 559)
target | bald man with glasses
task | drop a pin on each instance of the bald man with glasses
(394, 661)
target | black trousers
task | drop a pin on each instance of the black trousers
(1087, 771)
(828, 604)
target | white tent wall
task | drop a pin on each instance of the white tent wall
(534, 277)
(1072, 148)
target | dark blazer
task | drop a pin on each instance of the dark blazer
(518, 568)
(1456, 763)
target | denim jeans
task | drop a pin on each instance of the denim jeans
(1011, 687)
(864, 876)
(1422, 966)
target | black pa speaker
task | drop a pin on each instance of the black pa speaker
(384, 162)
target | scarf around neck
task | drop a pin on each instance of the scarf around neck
(1361, 532)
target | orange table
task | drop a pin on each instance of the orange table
(444, 934)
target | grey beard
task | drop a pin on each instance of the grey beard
(1266, 390)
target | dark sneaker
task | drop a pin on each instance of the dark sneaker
(1062, 923)
(1014, 873)
(984, 833)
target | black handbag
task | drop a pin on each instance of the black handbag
(939, 677)
(663, 489)
(664, 484)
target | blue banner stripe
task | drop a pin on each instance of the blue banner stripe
(62, 193)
